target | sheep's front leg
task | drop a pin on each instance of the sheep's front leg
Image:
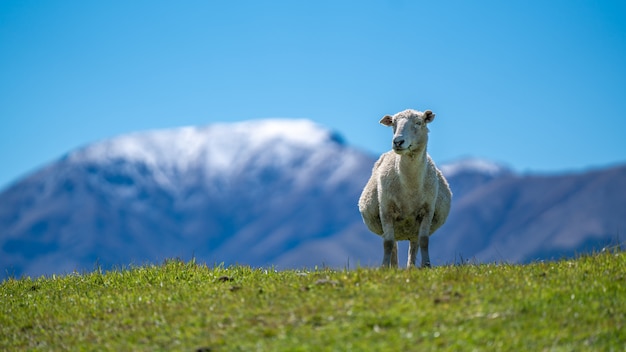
(390, 254)
(413, 246)
(390, 247)
(388, 251)
(394, 255)
(424, 251)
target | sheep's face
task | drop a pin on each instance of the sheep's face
(410, 131)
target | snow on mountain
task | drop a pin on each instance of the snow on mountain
(277, 193)
(220, 148)
(473, 165)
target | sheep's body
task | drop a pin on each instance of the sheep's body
(407, 197)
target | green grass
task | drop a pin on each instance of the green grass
(569, 305)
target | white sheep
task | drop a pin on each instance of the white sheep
(407, 197)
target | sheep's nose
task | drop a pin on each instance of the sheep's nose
(398, 142)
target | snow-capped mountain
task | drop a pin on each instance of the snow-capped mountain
(277, 193)
(258, 192)
(470, 165)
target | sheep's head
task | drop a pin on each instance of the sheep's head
(410, 131)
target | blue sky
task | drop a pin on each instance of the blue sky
(538, 85)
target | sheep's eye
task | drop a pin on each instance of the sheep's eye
(418, 123)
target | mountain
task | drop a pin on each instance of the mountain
(517, 218)
(259, 192)
(277, 193)
(470, 173)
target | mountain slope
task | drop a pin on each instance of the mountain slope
(519, 219)
(277, 192)
(244, 192)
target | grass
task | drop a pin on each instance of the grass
(569, 305)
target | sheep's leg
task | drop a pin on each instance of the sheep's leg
(424, 232)
(413, 246)
(388, 255)
(394, 255)
(424, 251)
(390, 247)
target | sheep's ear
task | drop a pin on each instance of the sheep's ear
(387, 120)
(429, 116)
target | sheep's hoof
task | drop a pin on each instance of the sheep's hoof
(426, 265)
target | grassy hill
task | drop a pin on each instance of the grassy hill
(566, 305)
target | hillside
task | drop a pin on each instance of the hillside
(278, 193)
(565, 305)
(256, 192)
(518, 219)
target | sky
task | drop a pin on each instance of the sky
(537, 85)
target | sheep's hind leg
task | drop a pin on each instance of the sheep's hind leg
(424, 251)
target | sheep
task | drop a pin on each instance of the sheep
(406, 197)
